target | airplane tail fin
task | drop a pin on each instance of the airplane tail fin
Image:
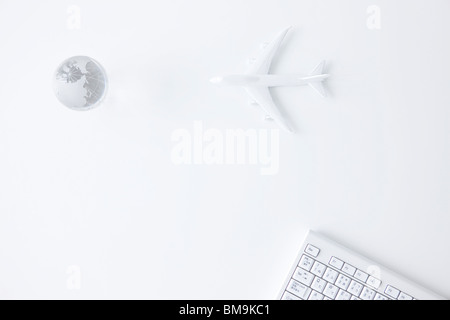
(318, 85)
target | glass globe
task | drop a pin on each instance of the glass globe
(80, 83)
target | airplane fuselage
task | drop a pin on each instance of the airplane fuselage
(268, 80)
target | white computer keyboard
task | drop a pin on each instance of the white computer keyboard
(325, 270)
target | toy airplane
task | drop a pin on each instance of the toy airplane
(257, 81)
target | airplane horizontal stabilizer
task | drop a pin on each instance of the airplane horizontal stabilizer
(319, 88)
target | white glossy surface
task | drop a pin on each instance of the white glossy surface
(99, 191)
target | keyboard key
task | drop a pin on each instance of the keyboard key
(319, 284)
(318, 269)
(361, 276)
(330, 275)
(379, 296)
(316, 296)
(310, 249)
(335, 262)
(343, 295)
(348, 269)
(392, 292)
(303, 276)
(331, 291)
(355, 288)
(289, 296)
(367, 294)
(404, 297)
(343, 282)
(373, 282)
(354, 298)
(306, 263)
(298, 289)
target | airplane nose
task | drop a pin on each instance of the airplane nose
(216, 80)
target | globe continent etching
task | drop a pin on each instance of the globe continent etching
(80, 83)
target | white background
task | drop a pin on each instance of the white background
(369, 166)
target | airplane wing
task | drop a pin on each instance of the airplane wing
(263, 62)
(262, 96)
